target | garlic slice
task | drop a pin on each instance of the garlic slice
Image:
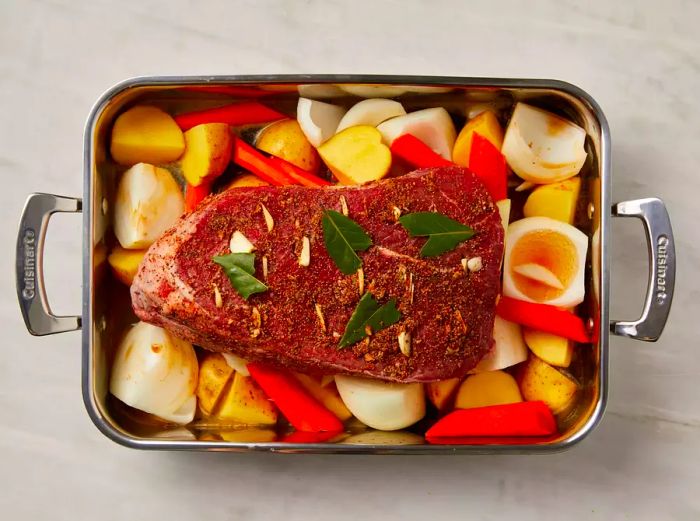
(269, 221)
(305, 255)
(404, 340)
(240, 244)
(474, 264)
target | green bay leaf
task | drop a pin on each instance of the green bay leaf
(343, 237)
(443, 233)
(240, 268)
(369, 313)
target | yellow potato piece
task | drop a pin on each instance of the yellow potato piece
(145, 134)
(327, 395)
(541, 381)
(356, 155)
(440, 393)
(486, 125)
(125, 263)
(557, 200)
(247, 180)
(214, 374)
(285, 139)
(553, 349)
(490, 388)
(246, 403)
(208, 152)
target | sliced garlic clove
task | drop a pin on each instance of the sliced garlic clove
(240, 244)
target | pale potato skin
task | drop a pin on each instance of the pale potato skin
(145, 134)
(440, 393)
(246, 180)
(214, 374)
(285, 139)
(357, 155)
(246, 404)
(490, 388)
(328, 395)
(540, 381)
(554, 350)
(207, 152)
(125, 263)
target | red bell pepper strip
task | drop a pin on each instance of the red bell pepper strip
(513, 419)
(416, 153)
(543, 317)
(301, 176)
(195, 195)
(251, 159)
(309, 437)
(236, 114)
(489, 165)
(301, 409)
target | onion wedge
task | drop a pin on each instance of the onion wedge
(542, 147)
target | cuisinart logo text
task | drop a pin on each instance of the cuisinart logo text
(29, 240)
(661, 256)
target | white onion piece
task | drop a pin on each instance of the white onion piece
(318, 120)
(574, 292)
(539, 273)
(508, 347)
(156, 372)
(433, 127)
(374, 91)
(542, 147)
(371, 112)
(148, 202)
(382, 405)
(185, 414)
(238, 364)
(320, 91)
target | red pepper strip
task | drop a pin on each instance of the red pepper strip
(412, 150)
(249, 158)
(309, 437)
(489, 165)
(301, 409)
(513, 419)
(195, 195)
(543, 317)
(235, 114)
(301, 176)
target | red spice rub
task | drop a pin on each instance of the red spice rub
(298, 322)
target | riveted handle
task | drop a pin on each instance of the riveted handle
(662, 269)
(31, 290)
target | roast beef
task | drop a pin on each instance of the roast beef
(447, 310)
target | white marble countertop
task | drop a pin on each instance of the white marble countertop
(639, 59)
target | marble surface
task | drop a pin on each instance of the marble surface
(640, 59)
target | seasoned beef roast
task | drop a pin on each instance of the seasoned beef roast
(297, 324)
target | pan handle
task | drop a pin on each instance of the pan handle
(31, 290)
(662, 269)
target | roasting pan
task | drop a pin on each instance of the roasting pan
(106, 306)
